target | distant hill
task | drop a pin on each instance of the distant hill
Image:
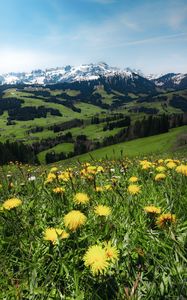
(129, 79)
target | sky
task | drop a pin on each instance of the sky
(140, 34)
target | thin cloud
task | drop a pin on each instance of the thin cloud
(171, 37)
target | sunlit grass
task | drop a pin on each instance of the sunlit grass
(83, 233)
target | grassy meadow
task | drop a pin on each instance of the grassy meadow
(19, 131)
(162, 144)
(110, 229)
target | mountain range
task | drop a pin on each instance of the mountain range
(90, 72)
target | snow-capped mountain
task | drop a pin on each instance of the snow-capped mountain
(89, 72)
(171, 81)
(153, 76)
(68, 74)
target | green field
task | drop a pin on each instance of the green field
(112, 230)
(21, 130)
(159, 144)
(65, 148)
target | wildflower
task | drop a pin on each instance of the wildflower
(81, 198)
(166, 219)
(11, 203)
(52, 234)
(65, 176)
(133, 179)
(160, 169)
(53, 170)
(145, 164)
(171, 165)
(160, 161)
(31, 178)
(160, 176)
(152, 209)
(111, 251)
(102, 210)
(59, 190)
(50, 178)
(168, 160)
(134, 189)
(74, 219)
(96, 258)
(182, 169)
(91, 170)
(99, 188)
(100, 169)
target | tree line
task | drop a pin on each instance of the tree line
(12, 151)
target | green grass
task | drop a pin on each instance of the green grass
(19, 130)
(88, 110)
(158, 144)
(94, 131)
(65, 148)
(138, 255)
(107, 98)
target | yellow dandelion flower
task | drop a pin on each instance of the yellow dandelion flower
(151, 209)
(160, 161)
(74, 219)
(145, 164)
(112, 252)
(59, 190)
(50, 178)
(102, 210)
(133, 179)
(160, 176)
(99, 188)
(81, 198)
(91, 170)
(11, 203)
(100, 169)
(86, 164)
(166, 219)
(54, 169)
(65, 176)
(182, 169)
(83, 172)
(52, 234)
(168, 160)
(160, 169)
(95, 258)
(171, 165)
(134, 189)
(176, 161)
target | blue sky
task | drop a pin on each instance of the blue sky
(141, 34)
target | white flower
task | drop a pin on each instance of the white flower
(32, 178)
(112, 170)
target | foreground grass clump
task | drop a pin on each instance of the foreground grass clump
(106, 230)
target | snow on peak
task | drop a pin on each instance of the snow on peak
(66, 74)
(154, 76)
(169, 78)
